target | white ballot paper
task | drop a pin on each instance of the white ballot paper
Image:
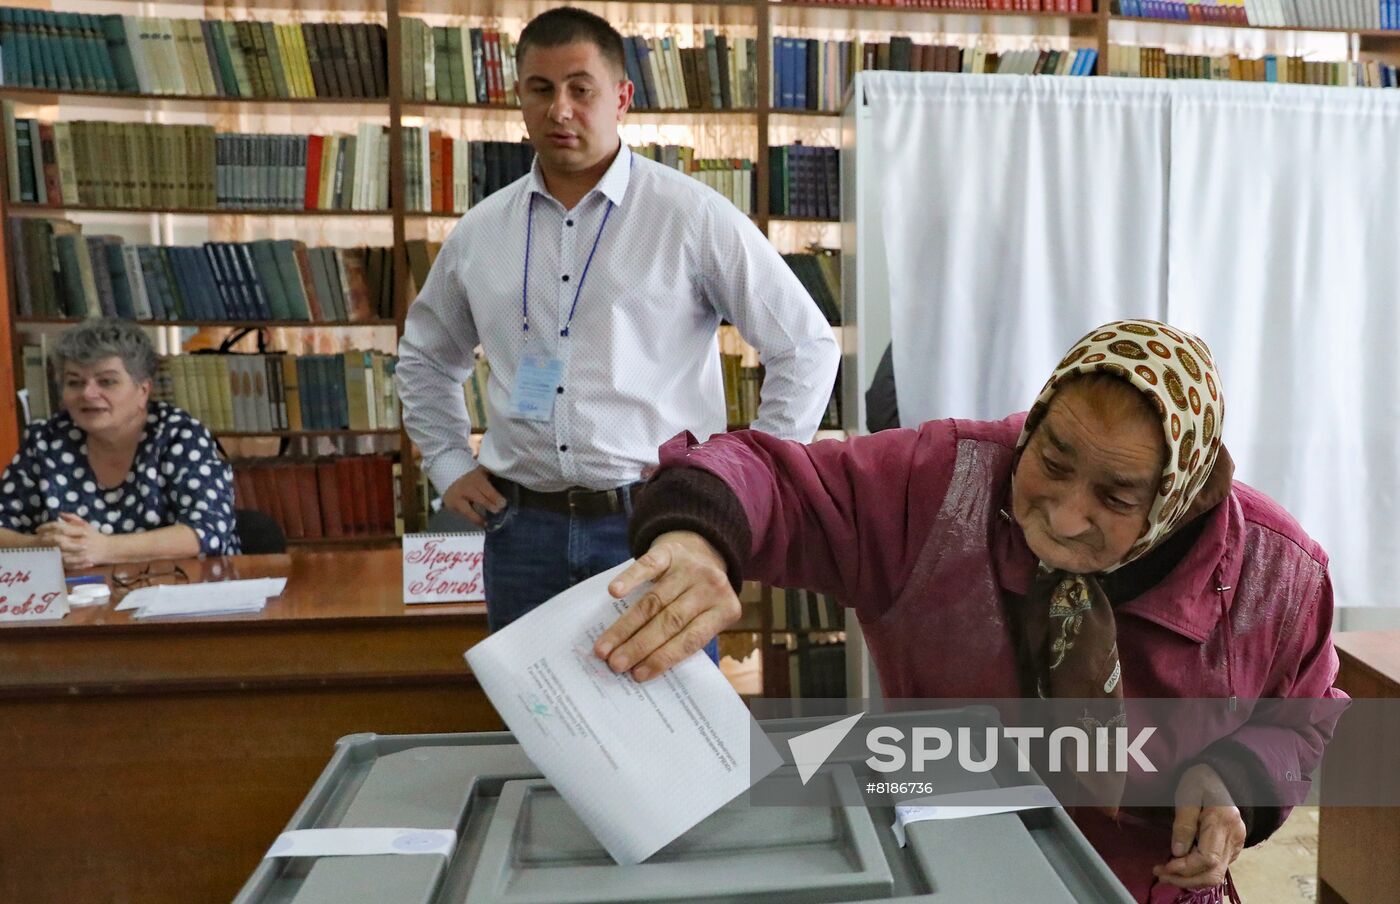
(961, 805)
(204, 598)
(640, 763)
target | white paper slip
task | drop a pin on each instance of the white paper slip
(960, 806)
(352, 842)
(640, 763)
(206, 598)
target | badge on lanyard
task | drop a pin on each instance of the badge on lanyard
(537, 377)
(536, 386)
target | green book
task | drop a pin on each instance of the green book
(69, 37)
(268, 51)
(248, 45)
(23, 154)
(45, 52)
(457, 66)
(284, 250)
(13, 63)
(123, 64)
(236, 58)
(95, 41)
(269, 275)
(442, 72)
(218, 40)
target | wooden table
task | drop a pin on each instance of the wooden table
(154, 761)
(1358, 857)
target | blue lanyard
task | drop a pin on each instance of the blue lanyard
(578, 289)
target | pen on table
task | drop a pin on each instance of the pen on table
(87, 579)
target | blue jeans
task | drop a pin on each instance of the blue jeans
(533, 555)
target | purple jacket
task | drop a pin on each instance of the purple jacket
(905, 526)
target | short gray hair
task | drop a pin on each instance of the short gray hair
(107, 337)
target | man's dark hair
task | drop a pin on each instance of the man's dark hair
(568, 25)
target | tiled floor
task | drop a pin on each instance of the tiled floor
(1282, 870)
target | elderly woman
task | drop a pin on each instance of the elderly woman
(115, 477)
(1093, 548)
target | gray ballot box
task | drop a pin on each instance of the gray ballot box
(518, 842)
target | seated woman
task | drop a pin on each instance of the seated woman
(1095, 548)
(113, 476)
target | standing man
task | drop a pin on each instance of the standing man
(595, 286)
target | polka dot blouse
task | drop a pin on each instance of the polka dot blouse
(177, 477)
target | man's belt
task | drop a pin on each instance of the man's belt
(576, 501)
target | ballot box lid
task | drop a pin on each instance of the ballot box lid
(518, 842)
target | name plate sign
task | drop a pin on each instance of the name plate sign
(443, 568)
(32, 586)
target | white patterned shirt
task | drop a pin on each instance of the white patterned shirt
(641, 361)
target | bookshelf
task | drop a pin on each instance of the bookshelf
(746, 131)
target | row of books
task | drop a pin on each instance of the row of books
(60, 272)
(109, 164)
(474, 392)
(352, 496)
(263, 393)
(1045, 6)
(142, 165)
(1356, 14)
(718, 73)
(733, 177)
(304, 172)
(810, 74)
(457, 64)
(806, 610)
(1157, 63)
(192, 57)
(465, 65)
(820, 274)
(805, 665)
(447, 175)
(804, 182)
(741, 389)
(831, 418)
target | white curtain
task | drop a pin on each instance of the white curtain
(1264, 217)
(1017, 200)
(1284, 232)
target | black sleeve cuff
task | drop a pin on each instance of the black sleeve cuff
(694, 500)
(1245, 779)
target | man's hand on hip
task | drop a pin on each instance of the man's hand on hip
(689, 603)
(473, 493)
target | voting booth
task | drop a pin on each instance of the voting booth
(517, 842)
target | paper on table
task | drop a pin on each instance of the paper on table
(959, 806)
(639, 763)
(351, 842)
(207, 598)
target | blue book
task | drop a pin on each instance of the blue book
(643, 51)
(799, 74)
(634, 74)
(121, 289)
(309, 419)
(779, 74)
(150, 275)
(1270, 68)
(791, 75)
(204, 272)
(182, 306)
